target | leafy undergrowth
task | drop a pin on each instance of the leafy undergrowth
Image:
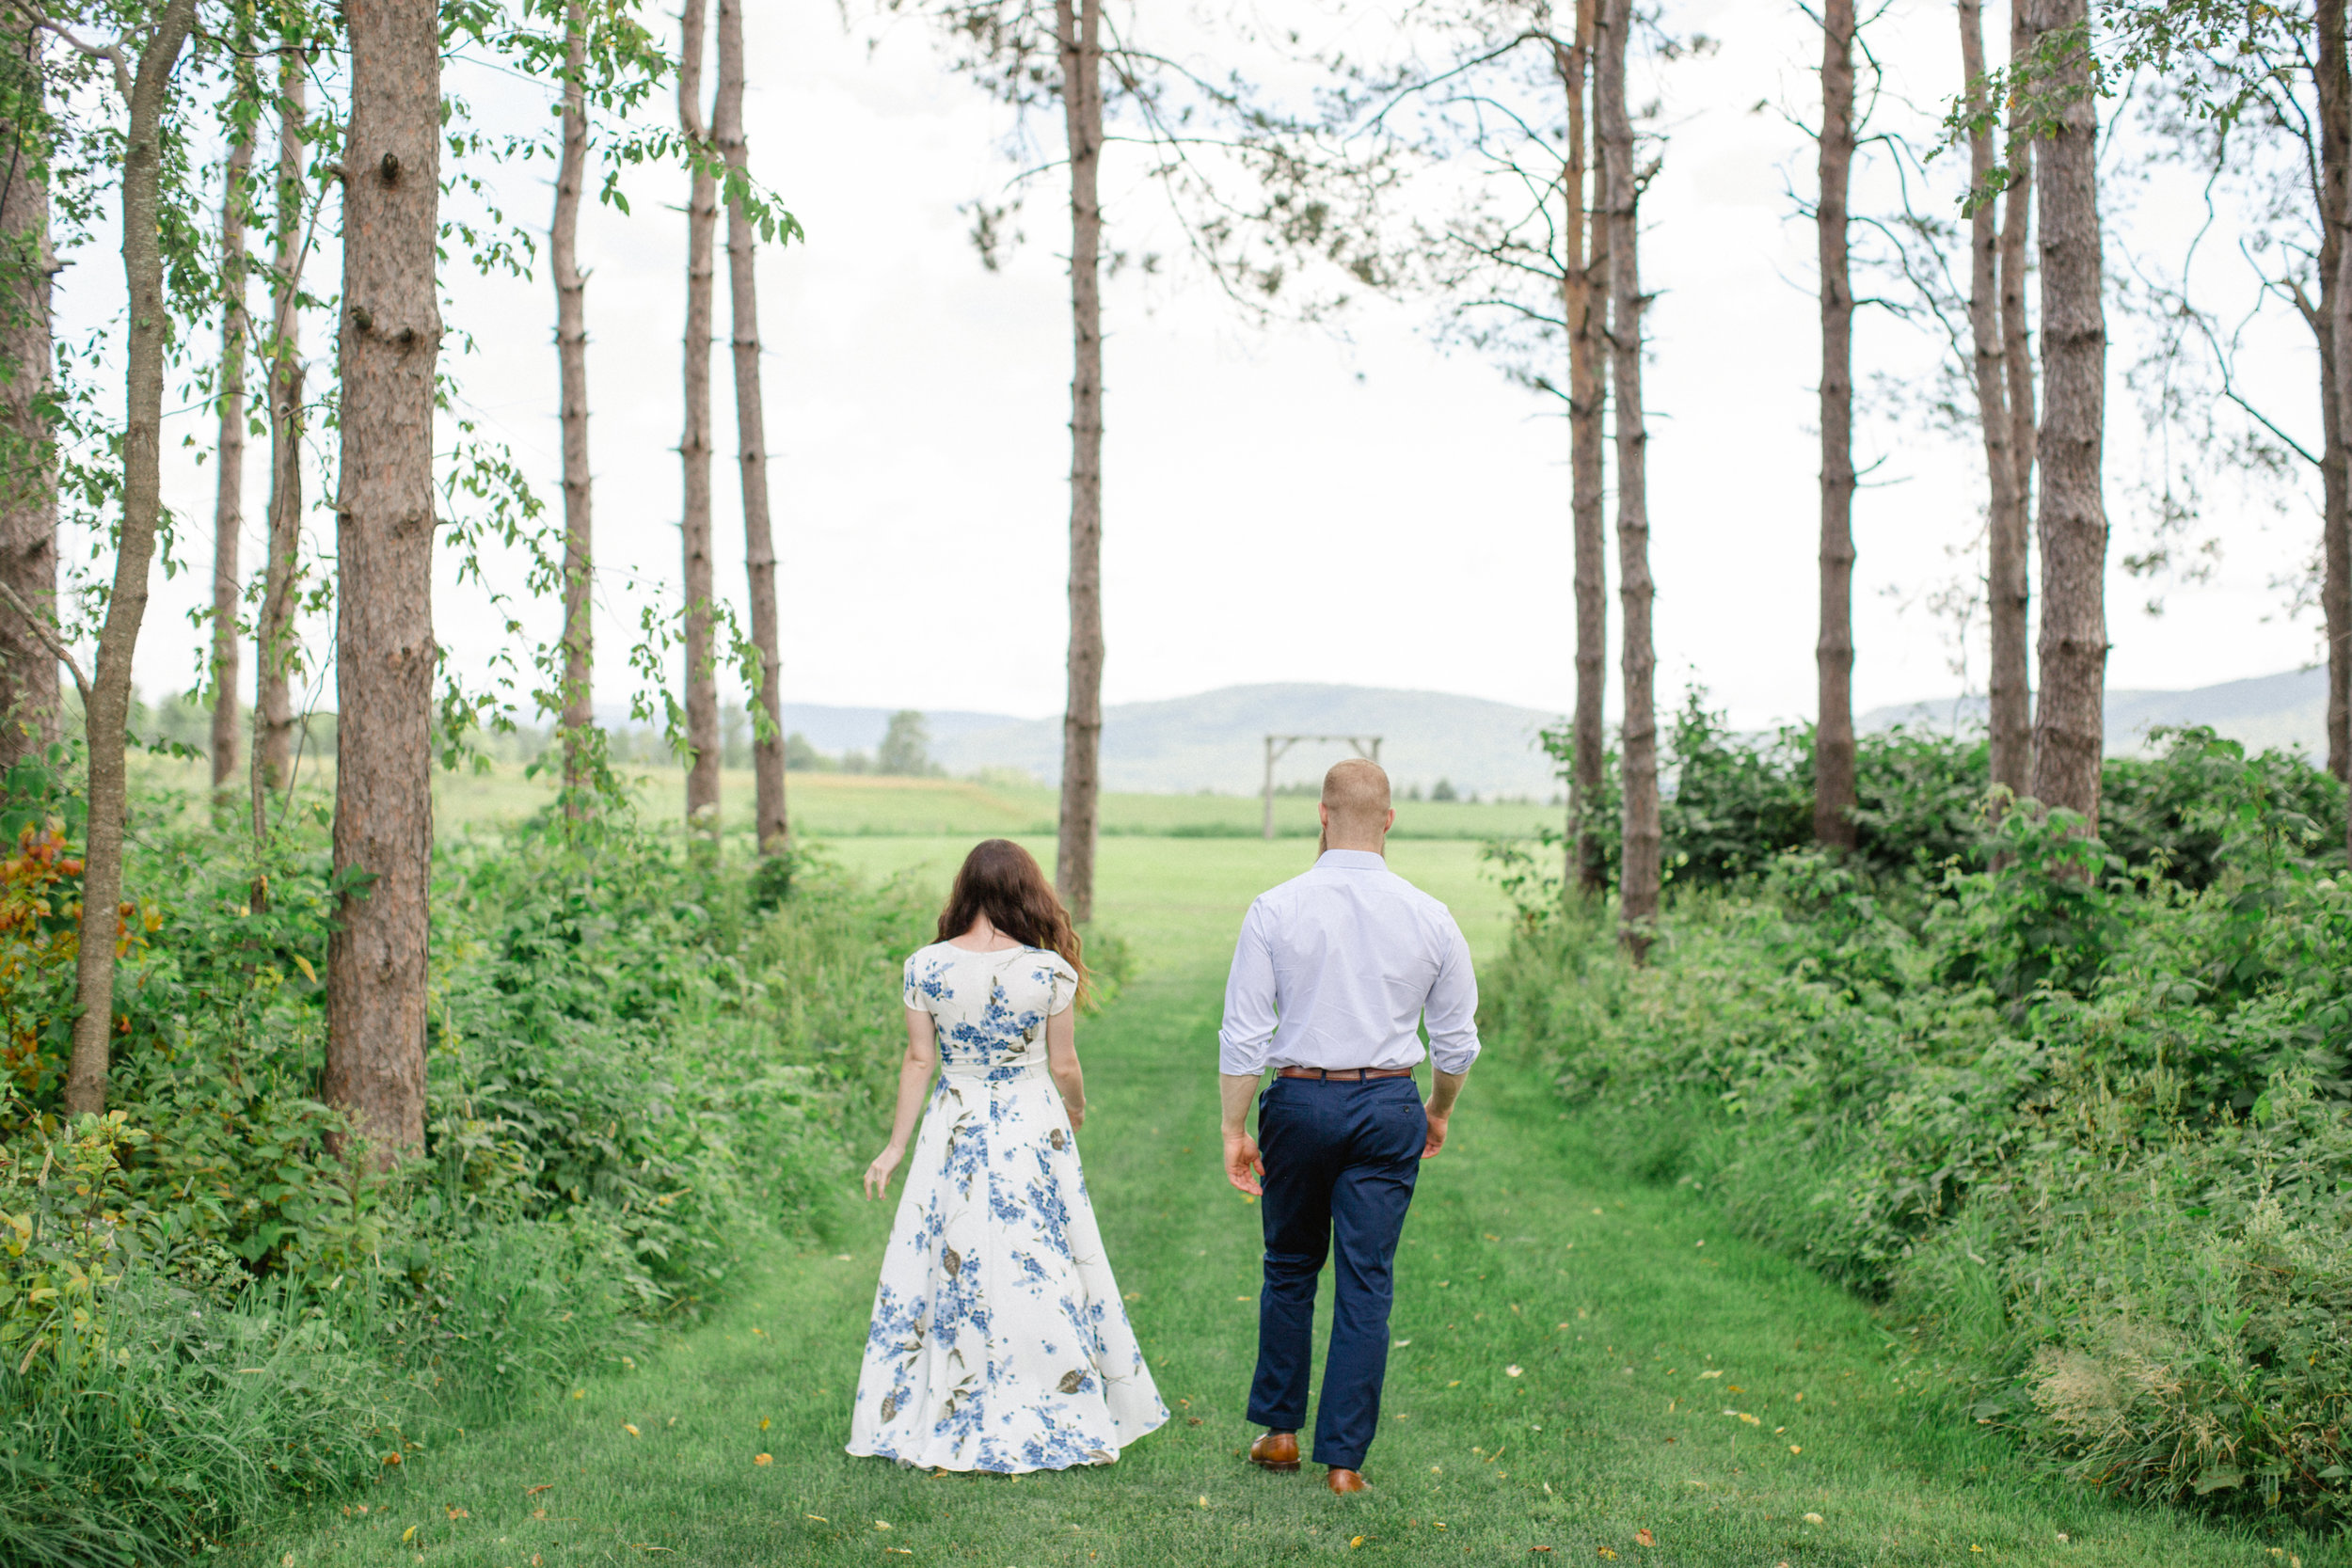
(1584, 1366)
(2087, 1125)
(641, 1066)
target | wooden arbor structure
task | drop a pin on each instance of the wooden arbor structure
(1365, 746)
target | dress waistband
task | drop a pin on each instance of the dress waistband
(993, 1072)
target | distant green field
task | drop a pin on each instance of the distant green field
(839, 806)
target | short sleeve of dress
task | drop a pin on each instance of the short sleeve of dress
(1065, 984)
(913, 987)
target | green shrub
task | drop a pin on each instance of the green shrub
(642, 1065)
(2086, 1113)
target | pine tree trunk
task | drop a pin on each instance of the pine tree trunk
(108, 702)
(274, 649)
(1584, 283)
(1640, 879)
(701, 223)
(390, 339)
(2006, 505)
(28, 500)
(771, 827)
(229, 454)
(1832, 651)
(578, 716)
(2069, 730)
(2010, 581)
(2335, 592)
(1082, 716)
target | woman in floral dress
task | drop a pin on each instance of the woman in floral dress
(998, 1339)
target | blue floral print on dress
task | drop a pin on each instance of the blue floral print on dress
(995, 1251)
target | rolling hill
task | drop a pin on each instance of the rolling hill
(2285, 712)
(1215, 740)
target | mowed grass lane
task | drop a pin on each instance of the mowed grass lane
(1582, 1367)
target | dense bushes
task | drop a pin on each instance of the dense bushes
(641, 1063)
(1735, 803)
(2084, 1111)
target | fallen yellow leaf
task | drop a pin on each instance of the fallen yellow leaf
(579, 1393)
(1607, 1553)
(763, 1423)
(1511, 1371)
(392, 1459)
(1644, 1538)
(881, 1524)
(819, 1517)
(459, 1513)
(1733, 1389)
(1793, 1448)
(534, 1491)
(1202, 1501)
(631, 1430)
(408, 1535)
(763, 1458)
(1814, 1519)
(1354, 1542)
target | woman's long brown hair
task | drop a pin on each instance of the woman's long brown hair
(1003, 881)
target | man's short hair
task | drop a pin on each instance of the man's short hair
(1356, 790)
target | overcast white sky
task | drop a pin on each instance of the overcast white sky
(1279, 505)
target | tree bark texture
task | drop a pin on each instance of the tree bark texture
(229, 454)
(2006, 501)
(273, 641)
(1833, 649)
(1082, 716)
(578, 716)
(385, 654)
(2335, 211)
(1641, 876)
(2069, 729)
(770, 826)
(107, 705)
(28, 500)
(1584, 283)
(2009, 583)
(694, 450)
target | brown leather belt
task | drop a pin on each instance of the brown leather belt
(1343, 1075)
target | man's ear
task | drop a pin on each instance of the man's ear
(1390, 821)
(1323, 814)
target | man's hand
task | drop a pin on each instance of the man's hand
(1243, 1167)
(1444, 1087)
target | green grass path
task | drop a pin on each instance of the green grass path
(1577, 1361)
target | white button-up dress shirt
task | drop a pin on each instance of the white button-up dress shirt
(1338, 969)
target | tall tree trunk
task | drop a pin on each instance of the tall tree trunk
(28, 498)
(2006, 505)
(2069, 731)
(1640, 879)
(1080, 37)
(2335, 594)
(571, 354)
(107, 703)
(274, 645)
(701, 223)
(385, 654)
(771, 827)
(229, 482)
(1584, 283)
(2009, 586)
(1833, 650)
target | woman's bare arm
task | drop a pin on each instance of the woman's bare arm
(1061, 1060)
(915, 1082)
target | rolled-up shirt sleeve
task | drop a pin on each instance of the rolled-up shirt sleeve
(1451, 1014)
(1251, 1009)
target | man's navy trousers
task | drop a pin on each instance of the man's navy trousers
(1341, 1159)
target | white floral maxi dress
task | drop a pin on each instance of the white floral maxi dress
(998, 1339)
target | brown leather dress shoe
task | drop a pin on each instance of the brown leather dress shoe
(1345, 1482)
(1276, 1450)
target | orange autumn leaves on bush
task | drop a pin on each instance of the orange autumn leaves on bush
(40, 912)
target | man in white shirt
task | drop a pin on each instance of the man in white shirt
(1335, 971)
